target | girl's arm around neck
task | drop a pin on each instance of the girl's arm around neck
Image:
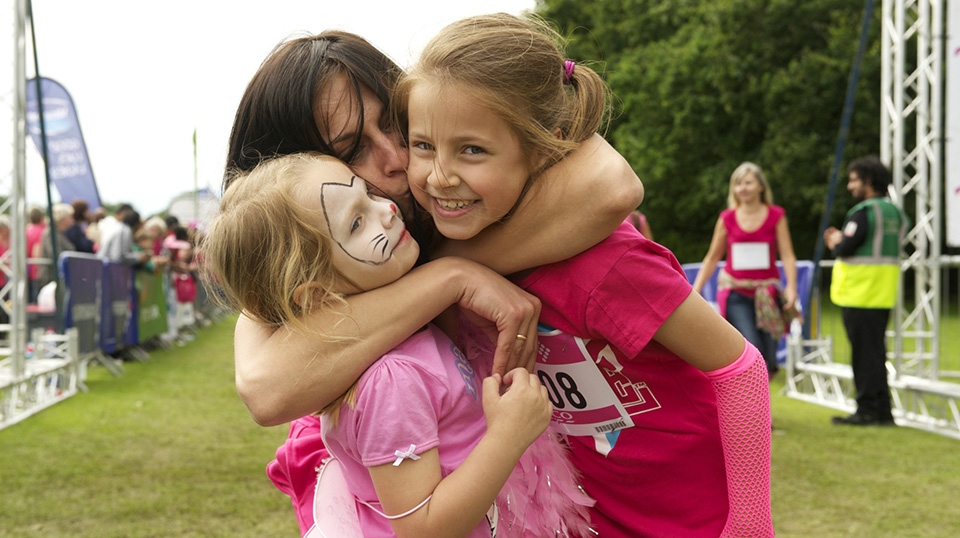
(282, 375)
(460, 500)
(573, 206)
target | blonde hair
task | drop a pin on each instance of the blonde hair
(270, 254)
(265, 247)
(61, 211)
(741, 171)
(157, 223)
(515, 67)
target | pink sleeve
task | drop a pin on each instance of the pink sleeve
(743, 408)
(398, 405)
(641, 289)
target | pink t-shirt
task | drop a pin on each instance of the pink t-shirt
(542, 494)
(423, 393)
(664, 475)
(3, 276)
(34, 236)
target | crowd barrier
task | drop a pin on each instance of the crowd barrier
(115, 308)
(804, 280)
(107, 311)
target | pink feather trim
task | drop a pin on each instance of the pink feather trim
(543, 497)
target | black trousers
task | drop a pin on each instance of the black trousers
(865, 330)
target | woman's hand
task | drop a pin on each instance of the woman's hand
(789, 298)
(504, 313)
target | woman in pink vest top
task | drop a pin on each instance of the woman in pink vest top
(751, 232)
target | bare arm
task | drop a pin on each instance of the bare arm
(717, 343)
(789, 260)
(575, 204)
(718, 247)
(460, 500)
(282, 375)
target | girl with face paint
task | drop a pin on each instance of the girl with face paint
(422, 452)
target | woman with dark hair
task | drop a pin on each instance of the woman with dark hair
(330, 93)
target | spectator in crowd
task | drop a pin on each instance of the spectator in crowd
(175, 242)
(4, 247)
(111, 224)
(4, 267)
(62, 221)
(170, 224)
(77, 232)
(116, 241)
(751, 232)
(37, 223)
(640, 222)
(157, 226)
(93, 226)
(864, 284)
(185, 279)
(143, 241)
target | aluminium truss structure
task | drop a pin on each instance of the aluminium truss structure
(911, 145)
(54, 371)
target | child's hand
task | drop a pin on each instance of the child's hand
(522, 413)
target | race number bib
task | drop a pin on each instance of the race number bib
(589, 392)
(748, 256)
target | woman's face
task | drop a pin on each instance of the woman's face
(748, 189)
(380, 160)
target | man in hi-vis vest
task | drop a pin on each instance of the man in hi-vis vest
(865, 279)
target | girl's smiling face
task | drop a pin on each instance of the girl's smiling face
(370, 244)
(466, 166)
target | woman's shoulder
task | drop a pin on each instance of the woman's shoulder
(775, 214)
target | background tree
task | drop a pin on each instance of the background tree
(703, 85)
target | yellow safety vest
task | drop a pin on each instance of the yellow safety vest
(870, 277)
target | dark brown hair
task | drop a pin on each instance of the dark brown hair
(276, 112)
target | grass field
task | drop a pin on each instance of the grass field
(168, 450)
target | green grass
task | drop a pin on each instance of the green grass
(168, 450)
(834, 481)
(165, 450)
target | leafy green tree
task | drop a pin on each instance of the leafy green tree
(703, 85)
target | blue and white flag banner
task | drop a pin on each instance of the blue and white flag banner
(69, 165)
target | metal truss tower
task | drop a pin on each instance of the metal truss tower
(12, 108)
(53, 373)
(911, 142)
(911, 145)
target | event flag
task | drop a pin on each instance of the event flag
(69, 166)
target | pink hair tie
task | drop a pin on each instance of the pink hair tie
(568, 70)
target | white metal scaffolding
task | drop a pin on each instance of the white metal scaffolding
(911, 142)
(54, 372)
